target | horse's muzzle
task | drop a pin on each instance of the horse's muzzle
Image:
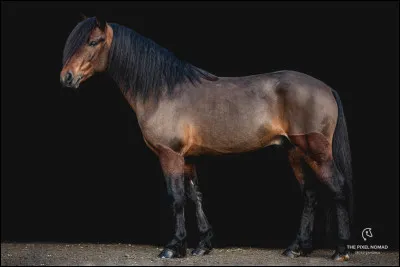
(69, 80)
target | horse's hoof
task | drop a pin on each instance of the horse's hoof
(168, 253)
(291, 253)
(340, 257)
(201, 251)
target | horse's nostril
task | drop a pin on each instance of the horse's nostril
(68, 77)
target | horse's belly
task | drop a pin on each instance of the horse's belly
(234, 138)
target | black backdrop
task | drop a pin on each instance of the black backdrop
(75, 167)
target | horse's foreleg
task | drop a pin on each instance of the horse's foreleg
(193, 192)
(172, 165)
(303, 242)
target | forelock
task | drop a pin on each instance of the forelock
(78, 37)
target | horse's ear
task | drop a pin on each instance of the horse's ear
(101, 23)
(83, 17)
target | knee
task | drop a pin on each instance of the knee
(178, 202)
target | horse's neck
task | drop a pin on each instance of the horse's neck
(133, 101)
(136, 102)
(140, 107)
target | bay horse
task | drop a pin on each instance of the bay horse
(184, 111)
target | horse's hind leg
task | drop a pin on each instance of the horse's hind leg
(303, 242)
(172, 165)
(319, 158)
(192, 190)
(329, 175)
(336, 186)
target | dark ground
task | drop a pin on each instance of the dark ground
(127, 254)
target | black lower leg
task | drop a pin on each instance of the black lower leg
(303, 242)
(206, 233)
(177, 246)
(342, 216)
(205, 229)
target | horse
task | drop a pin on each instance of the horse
(184, 111)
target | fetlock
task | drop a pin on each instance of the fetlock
(341, 253)
(297, 249)
(174, 249)
(204, 247)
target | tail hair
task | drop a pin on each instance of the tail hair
(342, 155)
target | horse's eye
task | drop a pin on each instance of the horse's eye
(93, 43)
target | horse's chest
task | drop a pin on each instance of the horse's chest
(162, 129)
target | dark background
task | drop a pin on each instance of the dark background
(75, 167)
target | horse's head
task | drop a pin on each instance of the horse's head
(86, 51)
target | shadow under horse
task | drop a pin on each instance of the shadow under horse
(184, 111)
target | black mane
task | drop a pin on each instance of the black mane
(138, 64)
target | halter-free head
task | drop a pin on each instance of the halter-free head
(86, 51)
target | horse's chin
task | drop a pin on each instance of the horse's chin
(81, 80)
(76, 85)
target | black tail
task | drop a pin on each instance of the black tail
(342, 155)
